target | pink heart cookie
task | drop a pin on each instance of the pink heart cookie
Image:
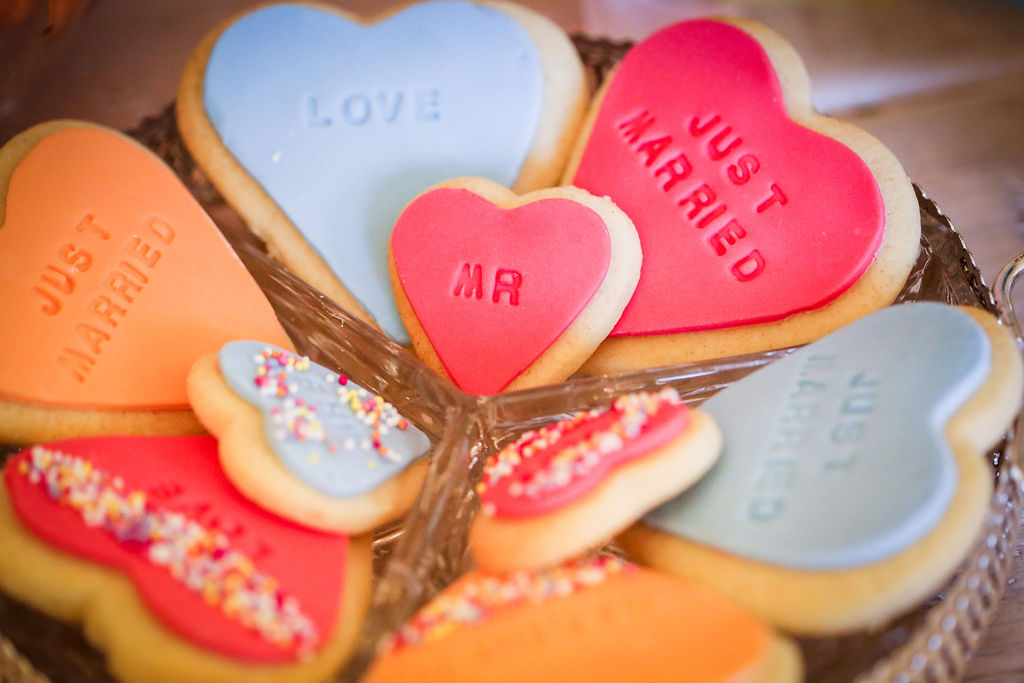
(763, 224)
(503, 291)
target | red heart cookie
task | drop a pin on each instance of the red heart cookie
(490, 281)
(201, 556)
(561, 490)
(553, 467)
(751, 207)
(113, 278)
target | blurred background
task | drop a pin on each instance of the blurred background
(940, 82)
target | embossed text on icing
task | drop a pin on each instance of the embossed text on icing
(668, 156)
(817, 426)
(469, 283)
(118, 289)
(58, 277)
(382, 106)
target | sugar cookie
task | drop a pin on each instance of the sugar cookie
(763, 223)
(114, 282)
(172, 574)
(306, 442)
(319, 126)
(502, 291)
(599, 619)
(571, 486)
(853, 478)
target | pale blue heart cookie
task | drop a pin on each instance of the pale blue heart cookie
(835, 457)
(342, 124)
(329, 432)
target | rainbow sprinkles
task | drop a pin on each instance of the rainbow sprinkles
(276, 376)
(201, 559)
(333, 435)
(576, 452)
(478, 596)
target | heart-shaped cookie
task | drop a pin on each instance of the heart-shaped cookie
(319, 128)
(589, 619)
(114, 281)
(501, 291)
(851, 479)
(306, 442)
(146, 542)
(568, 487)
(763, 224)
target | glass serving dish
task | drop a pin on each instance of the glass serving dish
(416, 559)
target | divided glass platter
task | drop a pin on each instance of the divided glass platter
(416, 559)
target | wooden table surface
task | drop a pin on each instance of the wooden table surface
(941, 82)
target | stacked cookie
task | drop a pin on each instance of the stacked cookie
(854, 476)
(318, 127)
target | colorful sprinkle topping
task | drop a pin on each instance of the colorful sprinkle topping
(589, 437)
(480, 595)
(278, 374)
(201, 559)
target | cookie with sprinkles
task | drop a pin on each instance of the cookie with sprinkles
(594, 619)
(307, 442)
(570, 486)
(172, 573)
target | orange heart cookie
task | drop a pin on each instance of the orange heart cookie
(114, 281)
(599, 619)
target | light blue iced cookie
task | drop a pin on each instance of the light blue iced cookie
(342, 123)
(844, 459)
(306, 442)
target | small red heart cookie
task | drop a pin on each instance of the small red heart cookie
(568, 487)
(763, 223)
(501, 291)
(172, 573)
(114, 280)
